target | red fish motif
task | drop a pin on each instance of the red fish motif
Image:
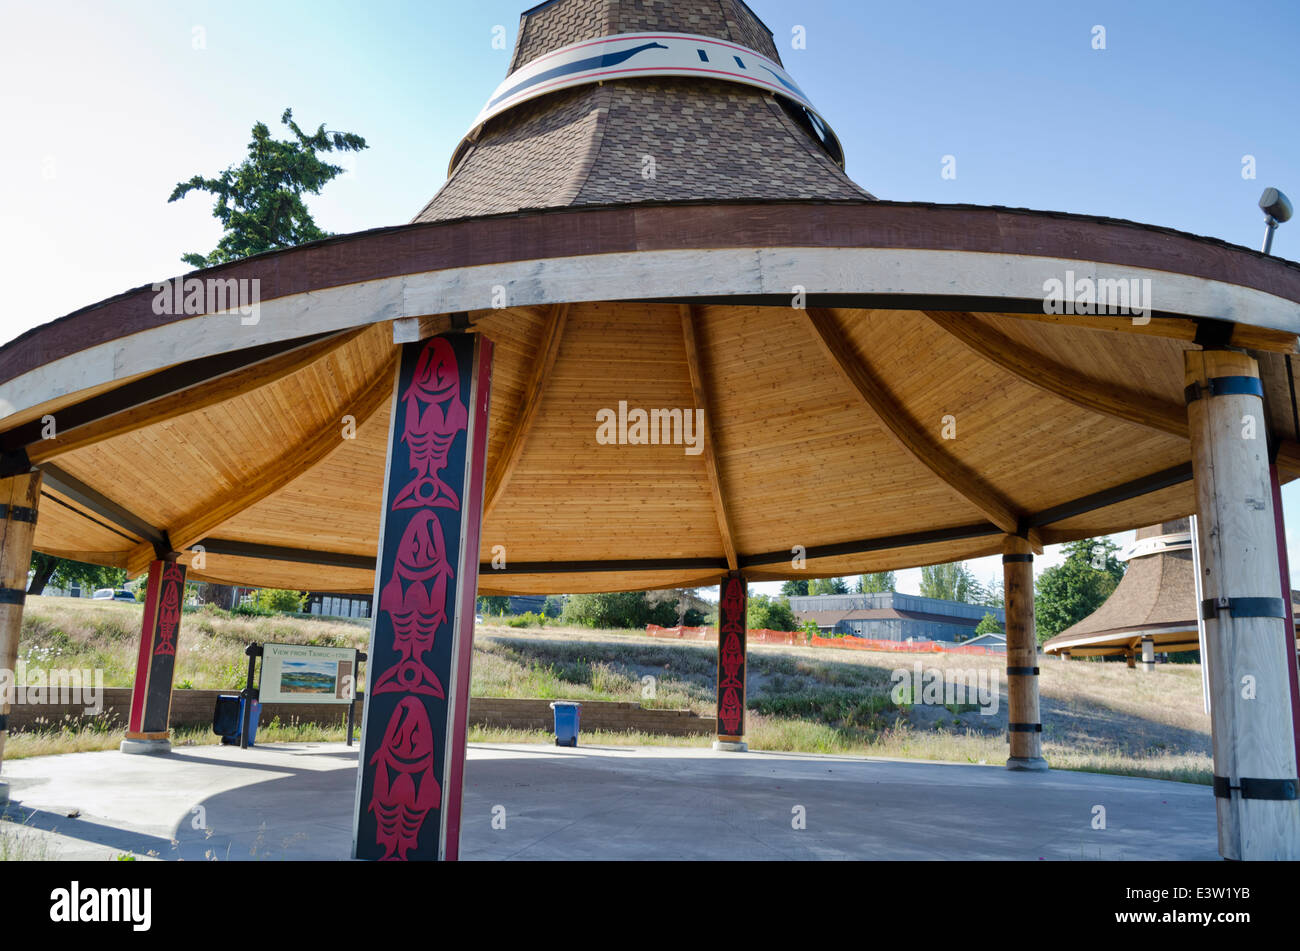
(732, 659)
(729, 711)
(169, 613)
(405, 788)
(416, 601)
(429, 431)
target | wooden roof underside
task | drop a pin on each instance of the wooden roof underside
(825, 432)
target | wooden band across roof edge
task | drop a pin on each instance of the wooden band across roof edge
(406, 249)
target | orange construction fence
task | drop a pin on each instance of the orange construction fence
(792, 638)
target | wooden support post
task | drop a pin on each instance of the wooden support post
(1249, 649)
(733, 607)
(1131, 658)
(1024, 729)
(1148, 654)
(19, 499)
(148, 729)
(411, 763)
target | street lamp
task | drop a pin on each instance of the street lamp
(1277, 209)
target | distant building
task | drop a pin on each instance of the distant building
(891, 616)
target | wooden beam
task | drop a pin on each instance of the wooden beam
(894, 419)
(273, 477)
(172, 392)
(1170, 328)
(547, 350)
(700, 392)
(76, 490)
(1050, 376)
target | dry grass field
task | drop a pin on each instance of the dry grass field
(1098, 717)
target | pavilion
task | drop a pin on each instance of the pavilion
(647, 335)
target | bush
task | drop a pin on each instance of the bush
(619, 609)
(527, 619)
(278, 600)
(553, 607)
(771, 615)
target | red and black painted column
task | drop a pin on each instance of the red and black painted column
(733, 606)
(412, 759)
(151, 698)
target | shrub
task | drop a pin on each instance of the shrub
(278, 600)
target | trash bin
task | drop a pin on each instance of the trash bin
(228, 719)
(566, 722)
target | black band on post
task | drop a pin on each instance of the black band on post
(1009, 559)
(1248, 788)
(1224, 386)
(12, 595)
(17, 513)
(1243, 607)
(4, 722)
(1024, 728)
(1022, 671)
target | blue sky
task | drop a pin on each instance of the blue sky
(107, 105)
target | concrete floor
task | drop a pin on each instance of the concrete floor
(294, 801)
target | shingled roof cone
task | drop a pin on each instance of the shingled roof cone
(703, 134)
(1154, 606)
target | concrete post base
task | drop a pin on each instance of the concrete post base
(731, 746)
(1033, 764)
(147, 747)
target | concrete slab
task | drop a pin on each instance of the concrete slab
(294, 801)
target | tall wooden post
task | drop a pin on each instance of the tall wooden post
(733, 608)
(411, 762)
(1024, 729)
(19, 499)
(148, 729)
(1249, 649)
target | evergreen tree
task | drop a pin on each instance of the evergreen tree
(260, 201)
(1067, 593)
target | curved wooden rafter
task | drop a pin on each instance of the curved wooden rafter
(547, 350)
(700, 392)
(199, 396)
(895, 421)
(1170, 328)
(1033, 368)
(285, 468)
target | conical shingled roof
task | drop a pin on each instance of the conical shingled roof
(1156, 598)
(590, 145)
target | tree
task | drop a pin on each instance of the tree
(877, 582)
(770, 614)
(63, 573)
(493, 604)
(825, 586)
(1067, 593)
(988, 625)
(551, 607)
(259, 202)
(793, 589)
(950, 582)
(989, 595)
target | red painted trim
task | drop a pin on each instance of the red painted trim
(144, 659)
(472, 513)
(1284, 565)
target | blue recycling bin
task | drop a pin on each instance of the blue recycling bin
(566, 722)
(228, 719)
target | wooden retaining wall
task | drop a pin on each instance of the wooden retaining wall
(194, 707)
